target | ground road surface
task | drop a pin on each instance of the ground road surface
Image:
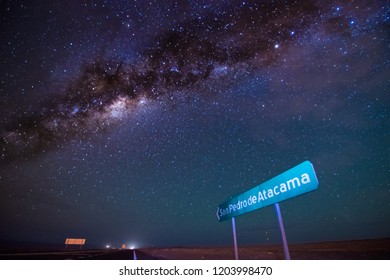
(106, 254)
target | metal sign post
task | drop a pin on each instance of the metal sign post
(235, 239)
(291, 183)
(281, 226)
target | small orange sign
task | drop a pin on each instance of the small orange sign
(74, 241)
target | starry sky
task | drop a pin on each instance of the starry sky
(131, 121)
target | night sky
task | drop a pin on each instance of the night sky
(131, 121)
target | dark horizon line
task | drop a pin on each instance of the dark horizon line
(6, 245)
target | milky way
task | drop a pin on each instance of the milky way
(106, 91)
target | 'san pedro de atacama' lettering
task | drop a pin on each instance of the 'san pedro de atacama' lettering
(298, 180)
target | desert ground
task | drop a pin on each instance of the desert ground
(339, 250)
(374, 249)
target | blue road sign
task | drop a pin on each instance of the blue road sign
(295, 181)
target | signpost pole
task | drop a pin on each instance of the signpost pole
(285, 245)
(235, 239)
(293, 182)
